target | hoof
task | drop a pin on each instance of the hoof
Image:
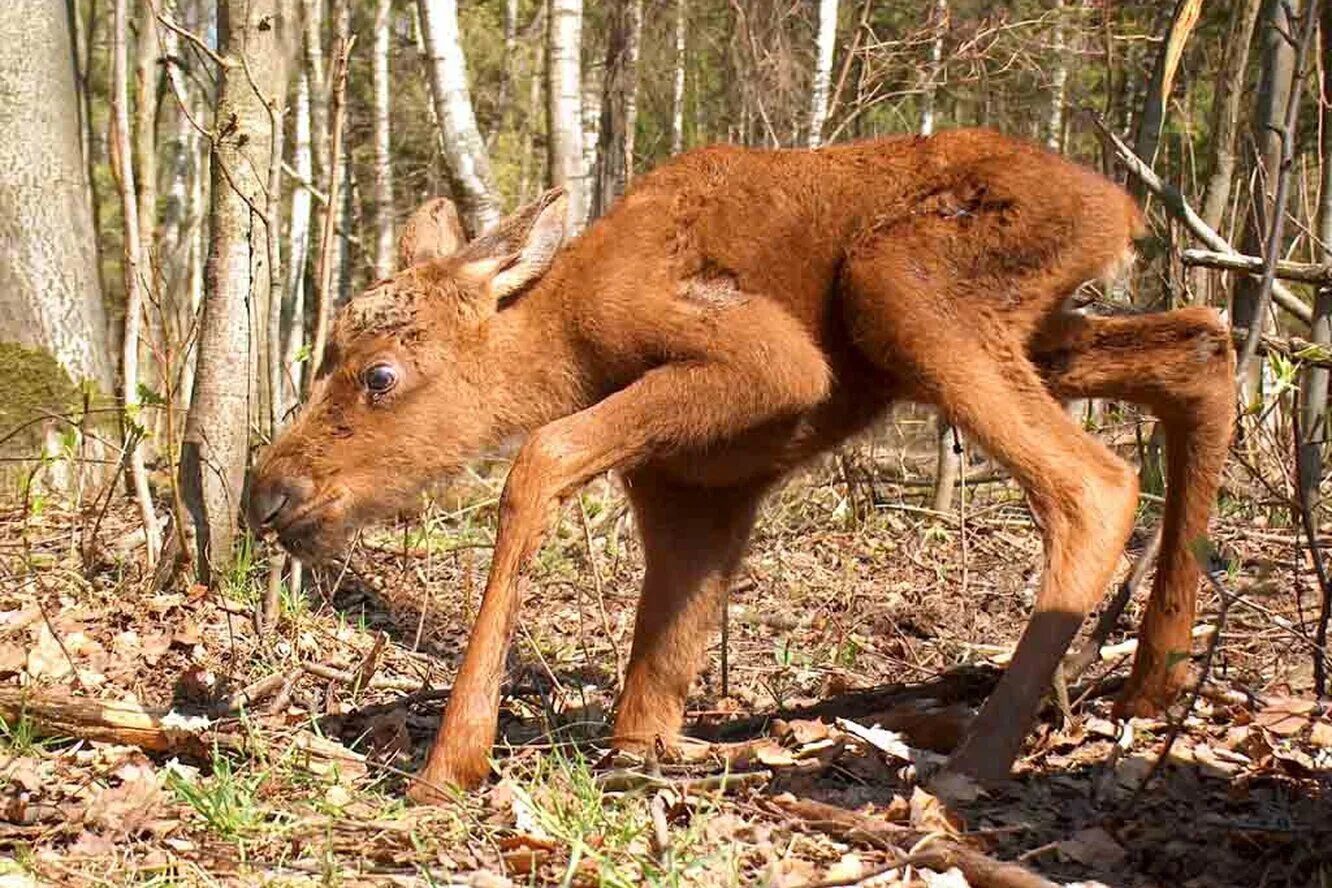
(1150, 696)
(423, 791)
(438, 783)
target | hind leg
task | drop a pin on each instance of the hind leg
(693, 540)
(1180, 365)
(972, 365)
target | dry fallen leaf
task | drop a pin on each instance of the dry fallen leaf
(126, 809)
(1286, 717)
(46, 659)
(930, 814)
(1093, 847)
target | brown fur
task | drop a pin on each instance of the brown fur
(736, 313)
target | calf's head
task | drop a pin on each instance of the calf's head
(400, 397)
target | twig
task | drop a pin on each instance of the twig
(324, 293)
(599, 588)
(1090, 652)
(1306, 272)
(939, 853)
(1179, 208)
(342, 676)
(196, 40)
(1207, 559)
(1310, 525)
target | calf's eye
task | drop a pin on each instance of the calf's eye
(379, 378)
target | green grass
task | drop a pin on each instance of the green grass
(21, 736)
(227, 799)
(608, 833)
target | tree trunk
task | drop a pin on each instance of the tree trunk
(298, 235)
(930, 86)
(678, 83)
(136, 268)
(823, 59)
(620, 84)
(464, 150)
(1274, 87)
(216, 433)
(564, 104)
(1182, 23)
(1054, 121)
(384, 247)
(1313, 397)
(1225, 126)
(50, 300)
(948, 454)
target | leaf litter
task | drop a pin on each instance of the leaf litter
(818, 766)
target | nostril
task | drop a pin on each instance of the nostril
(268, 498)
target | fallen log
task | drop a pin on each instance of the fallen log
(940, 854)
(55, 712)
(58, 713)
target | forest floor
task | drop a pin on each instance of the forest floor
(862, 634)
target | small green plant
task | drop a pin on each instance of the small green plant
(227, 799)
(242, 582)
(21, 736)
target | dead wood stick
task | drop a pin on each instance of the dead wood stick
(942, 854)
(253, 693)
(365, 672)
(1305, 272)
(58, 713)
(343, 676)
(1179, 208)
(1296, 348)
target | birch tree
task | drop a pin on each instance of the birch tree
(298, 236)
(135, 270)
(383, 167)
(1054, 122)
(823, 59)
(930, 87)
(678, 82)
(464, 149)
(564, 108)
(252, 39)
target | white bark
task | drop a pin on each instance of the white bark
(827, 40)
(1054, 124)
(565, 105)
(464, 149)
(678, 83)
(932, 75)
(298, 235)
(384, 247)
(135, 270)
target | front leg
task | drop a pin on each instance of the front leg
(762, 376)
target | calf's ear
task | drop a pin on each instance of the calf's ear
(520, 249)
(434, 231)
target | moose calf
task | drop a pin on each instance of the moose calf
(736, 313)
